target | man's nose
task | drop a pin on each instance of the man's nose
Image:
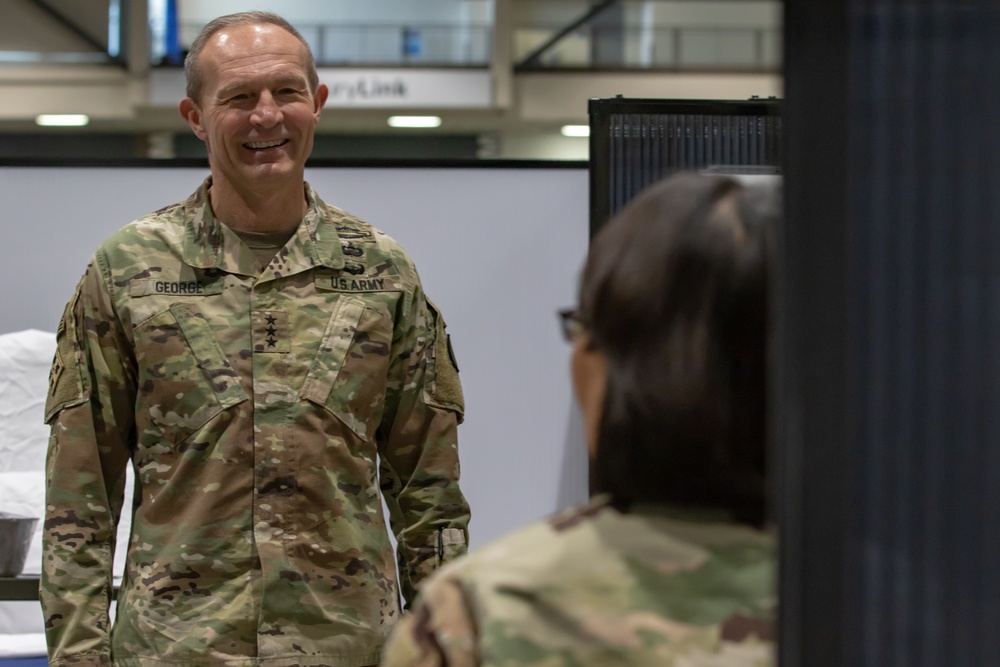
(267, 113)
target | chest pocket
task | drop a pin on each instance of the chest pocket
(184, 378)
(348, 375)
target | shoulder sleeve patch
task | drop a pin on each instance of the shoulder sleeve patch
(447, 387)
(66, 387)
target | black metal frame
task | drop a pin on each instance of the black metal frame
(653, 157)
(812, 425)
(19, 588)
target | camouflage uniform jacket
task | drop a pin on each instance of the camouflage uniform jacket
(261, 411)
(594, 587)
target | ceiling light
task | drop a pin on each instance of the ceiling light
(576, 130)
(414, 121)
(62, 119)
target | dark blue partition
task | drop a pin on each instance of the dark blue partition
(889, 335)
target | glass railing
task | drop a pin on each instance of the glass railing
(470, 45)
(391, 44)
(56, 57)
(73, 35)
(675, 47)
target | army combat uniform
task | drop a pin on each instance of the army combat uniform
(261, 411)
(594, 587)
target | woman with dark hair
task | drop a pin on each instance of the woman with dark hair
(671, 563)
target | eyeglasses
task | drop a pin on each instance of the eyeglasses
(571, 324)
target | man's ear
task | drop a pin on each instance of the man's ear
(319, 99)
(192, 114)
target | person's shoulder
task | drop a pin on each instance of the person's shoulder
(538, 550)
(164, 226)
(599, 586)
(594, 546)
(351, 226)
(354, 230)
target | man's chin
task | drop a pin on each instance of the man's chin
(273, 169)
(261, 177)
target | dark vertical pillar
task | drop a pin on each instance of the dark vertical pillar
(888, 332)
(812, 420)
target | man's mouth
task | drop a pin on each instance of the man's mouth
(260, 145)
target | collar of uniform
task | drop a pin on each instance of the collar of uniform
(316, 238)
(697, 518)
(210, 244)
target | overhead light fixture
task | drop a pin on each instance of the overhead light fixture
(62, 119)
(414, 121)
(576, 130)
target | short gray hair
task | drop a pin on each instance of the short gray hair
(192, 71)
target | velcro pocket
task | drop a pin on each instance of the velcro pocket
(348, 373)
(445, 387)
(183, 377)
(66, 385)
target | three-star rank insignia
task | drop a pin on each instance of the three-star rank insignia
(270, 331)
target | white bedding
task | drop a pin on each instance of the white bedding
(24, 645)
(23, 492)
(25, 358)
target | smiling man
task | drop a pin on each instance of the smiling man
(254, 99)
(269, 366)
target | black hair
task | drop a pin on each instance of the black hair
(674, 294)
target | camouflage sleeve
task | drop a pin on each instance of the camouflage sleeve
(418, 446)
(440, 632)
(90, 411)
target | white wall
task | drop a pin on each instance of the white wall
(537, 146)
(499, 251)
